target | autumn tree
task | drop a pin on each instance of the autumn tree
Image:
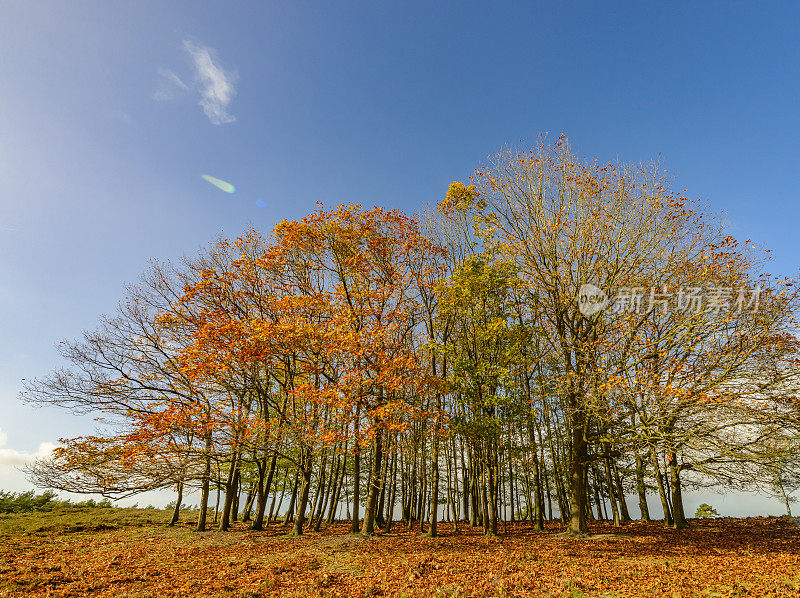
(566, 224)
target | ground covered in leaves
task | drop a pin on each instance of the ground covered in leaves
(130, 553)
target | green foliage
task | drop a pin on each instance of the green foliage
(483, 342)
(29, 502)
(705, 511)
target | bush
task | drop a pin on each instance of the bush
(705, 511)
(27, 502)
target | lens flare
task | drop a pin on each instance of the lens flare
(219, 184)
(261, 203)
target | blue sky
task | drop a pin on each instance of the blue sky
(110, 112)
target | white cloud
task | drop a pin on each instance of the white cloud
(170, 86)
(216, 85)
(210, 80)
(10, 457)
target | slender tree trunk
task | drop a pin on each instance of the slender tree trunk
(563, 507)
(392, 492)
(434, 506)
(545, 476)
(230, 490)
(598, 497)
(374, 486)
(678, 516)
(176, 512)
(263, 492)
(641, 489)
(306, 462)
(280, 502)
(338, 493)
(610, 485)
(510, 491)
(329, 494)
(380, 520)
(625, 515)
(292, 500)
(662, 493)
(205, 488)
(418, 510)
(452, 485)
(537, 516)
(318, 493)
(476, 480)
(785, 499)
(236, 490)
(484, 501)
(466, 482)
(247, 514)
(491, 493)
(355, 525)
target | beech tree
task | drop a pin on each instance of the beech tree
(567, 224)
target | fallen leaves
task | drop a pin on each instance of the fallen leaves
(732, 557)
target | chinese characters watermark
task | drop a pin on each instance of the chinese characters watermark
(685, 299)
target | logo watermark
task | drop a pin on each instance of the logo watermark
(715, 299)
(591, 300)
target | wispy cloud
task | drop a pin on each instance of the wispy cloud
(215, 85)
(169, 87)
(12, 457)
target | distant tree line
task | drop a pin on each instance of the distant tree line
(27, 502)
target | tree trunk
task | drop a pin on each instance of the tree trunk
(662, 493)
(330, 491)
(374, 486)
(392, 493)
(247, 514)
(275, 496)
(678, 516)
(641, 490)
(610, 485)
(293, 499)
(306, 461)
(466, 482)
(230, 490)
(625, 515)
(380, 520)
(235, 504)
(319, 492)
(578, 457)
(354, 526)
(538, 506)
(205, 488)
(785, 499)
(263, 492)
(492, 484)
(338, 492)
(434, 506)
(176, 513)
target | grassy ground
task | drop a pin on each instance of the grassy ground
(131, 553)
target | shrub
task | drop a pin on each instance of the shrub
(705, 511)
